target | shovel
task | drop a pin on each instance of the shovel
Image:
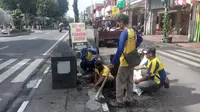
(99, 97)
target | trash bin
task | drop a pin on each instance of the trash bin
(116, 66)
(64, 70)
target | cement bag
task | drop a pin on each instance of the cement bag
(137, 75)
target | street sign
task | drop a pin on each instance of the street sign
(78, 36)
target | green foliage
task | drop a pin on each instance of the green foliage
(16, 31)
(63, 6)
(48, 8)
(27, 6)
(166, 25)
(27, 29)
(8, 4)
(70, 20)
(17, 18)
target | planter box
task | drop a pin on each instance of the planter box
(168, 40)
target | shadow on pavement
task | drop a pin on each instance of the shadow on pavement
(172, 100)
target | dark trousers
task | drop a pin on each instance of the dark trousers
(86, 66)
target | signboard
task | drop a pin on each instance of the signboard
(78, 36)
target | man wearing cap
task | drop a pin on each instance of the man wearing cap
(129, 40)
(155, 75)
(87, 63)
(101, 71)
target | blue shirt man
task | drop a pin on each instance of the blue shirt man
(86, 59)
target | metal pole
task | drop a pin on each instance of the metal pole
(84, 16)
(145, 17)
(165, 18)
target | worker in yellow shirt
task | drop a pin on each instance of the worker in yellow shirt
(155, 77)
(101, 71)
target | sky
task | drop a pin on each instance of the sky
(82, 5)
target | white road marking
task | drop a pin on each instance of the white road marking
(3, 47)
(179, 58)
(7, 63)
(184, 55)
(38, 83)
(24, 74)
(1, 59)
(32, 38)
(46, 70)
(10, 71)
(105, 107)
(190, 53)
(47, 33)
(23, 106)
(47, 52)
(0, 99)
(175, 62)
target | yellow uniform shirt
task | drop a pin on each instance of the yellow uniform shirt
(129, 46)
(105, 72)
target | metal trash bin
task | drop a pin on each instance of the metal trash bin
(64, 70)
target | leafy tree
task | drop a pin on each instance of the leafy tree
(63, 5)
(26, 6)
(52, 8)
(76, 13)
(8, 4)
(17, 19)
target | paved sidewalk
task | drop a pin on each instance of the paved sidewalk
(46, 99)
(178, 41)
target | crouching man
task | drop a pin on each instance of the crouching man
(155, 77)
(100, 72)
(87, 63)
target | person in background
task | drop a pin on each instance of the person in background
(155, 77)
(100, 72)
(129, 40)
(87, 63)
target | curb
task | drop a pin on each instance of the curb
(18, 34)
(104, 106)
(17, 93)
(175, 45)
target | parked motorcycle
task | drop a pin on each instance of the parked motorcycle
(60, 29)
(139, 28)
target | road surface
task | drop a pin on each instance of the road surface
(20, 57)
(183, 69)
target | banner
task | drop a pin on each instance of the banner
(184, 2)
(115, 11)
(78, 36)
(120, 4)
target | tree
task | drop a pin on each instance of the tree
(52, 8)
(76, 13)
(63, 5)
(17, 19)
(26, 6)
(8, 4)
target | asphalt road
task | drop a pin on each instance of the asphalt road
(183, 69)
(20, 57)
